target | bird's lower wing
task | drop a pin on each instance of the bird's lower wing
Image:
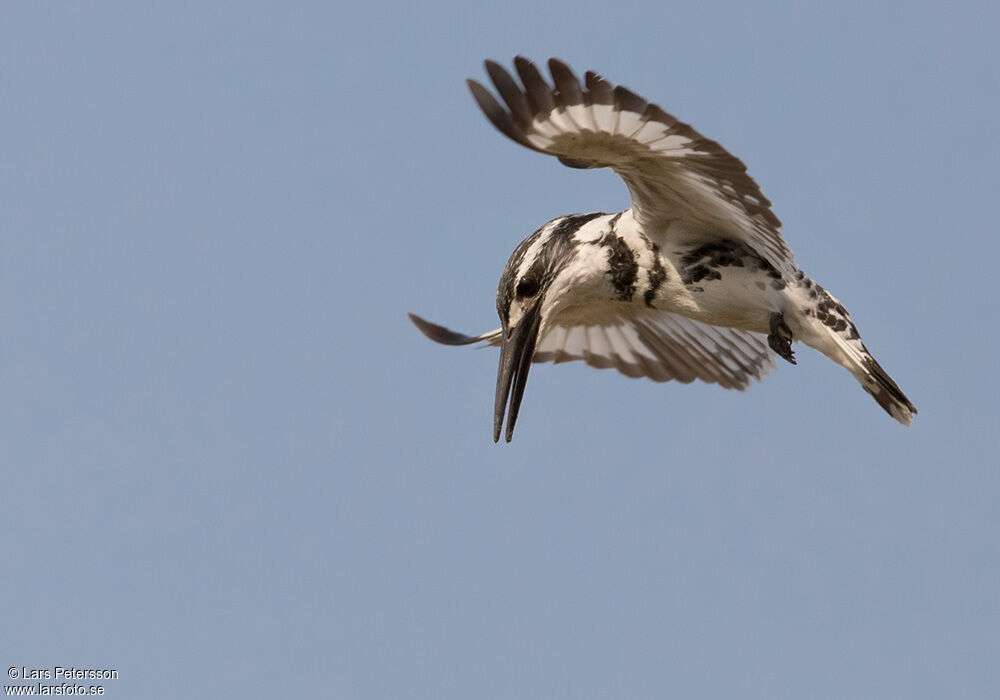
(660, 346)
(663, 347)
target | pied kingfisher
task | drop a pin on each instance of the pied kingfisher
(694, 281)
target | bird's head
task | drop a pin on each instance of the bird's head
(557, 276)
(546, 275)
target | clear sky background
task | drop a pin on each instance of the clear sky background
(232, 468)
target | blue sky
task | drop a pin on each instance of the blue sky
(232, 468)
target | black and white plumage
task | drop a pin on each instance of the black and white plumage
(694, 281)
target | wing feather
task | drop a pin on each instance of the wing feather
(445, 336)
(602, 101)
(511, 93)
(539, 93)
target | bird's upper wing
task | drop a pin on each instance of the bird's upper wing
(660, 346)
(673, 173)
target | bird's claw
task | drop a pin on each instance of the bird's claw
(780, 339)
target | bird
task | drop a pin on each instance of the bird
(693, 281)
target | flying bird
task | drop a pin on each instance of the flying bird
(693, 281)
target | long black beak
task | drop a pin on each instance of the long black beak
(517, 347)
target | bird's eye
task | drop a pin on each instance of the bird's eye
(527, 287)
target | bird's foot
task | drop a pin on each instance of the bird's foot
(780, 339)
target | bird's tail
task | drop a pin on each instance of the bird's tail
(830, 330)
(879, 384)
